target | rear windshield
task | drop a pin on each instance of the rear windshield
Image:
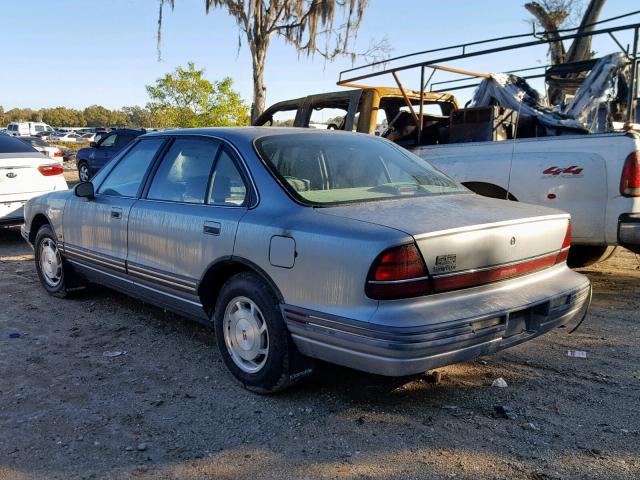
(13, 145)
(333, 169)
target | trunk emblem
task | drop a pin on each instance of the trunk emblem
(513, 241)
(12, 175)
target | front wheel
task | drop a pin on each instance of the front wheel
(51, 267)
(252, 337)
(83, 172)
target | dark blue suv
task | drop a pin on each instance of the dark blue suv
(90, 160)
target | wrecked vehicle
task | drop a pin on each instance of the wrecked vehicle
(509, 143)
(297, 244)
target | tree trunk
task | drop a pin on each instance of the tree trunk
(581, 47)
(258, 57)
(550, 23)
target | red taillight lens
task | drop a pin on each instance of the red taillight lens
(398, 272)
(630, 179)
(57, 154)
(566, 244)
(50, 170)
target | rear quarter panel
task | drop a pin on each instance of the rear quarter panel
(332, 257)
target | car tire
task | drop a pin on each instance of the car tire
(252, 337)
(54, 272)
(83, 172)
(585, 255)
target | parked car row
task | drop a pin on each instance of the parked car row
(45, 131)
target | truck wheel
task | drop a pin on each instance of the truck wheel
(252, 337)
(585, 255)
(83, 172)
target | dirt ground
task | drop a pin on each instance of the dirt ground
(167, 408)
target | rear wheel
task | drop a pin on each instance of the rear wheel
(252, 337)
(83, 172)
(585, 255)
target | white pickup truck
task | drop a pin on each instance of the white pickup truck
(594, 177)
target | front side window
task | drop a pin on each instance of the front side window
(108, 141)
(332, 169)
(125, 178)
(123, 140)
(183, 175)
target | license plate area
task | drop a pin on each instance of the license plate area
(518, 322)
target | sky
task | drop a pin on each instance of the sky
(76, 53)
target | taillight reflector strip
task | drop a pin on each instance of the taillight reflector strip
(482, 277)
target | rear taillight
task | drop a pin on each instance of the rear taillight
(566, 244)
(50, 170)
(398, 272)
(57, 154)
(630, 179)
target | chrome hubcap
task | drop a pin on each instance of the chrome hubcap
(84, 173)
(246, 335)
(50, 262)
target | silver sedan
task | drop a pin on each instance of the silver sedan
(298, 245)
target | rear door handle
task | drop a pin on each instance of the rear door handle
(116, 212)
(212, 228)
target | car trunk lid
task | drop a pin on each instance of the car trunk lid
(19, 174)
(467, 232)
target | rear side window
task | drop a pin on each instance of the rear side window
(13, 145)
(183, 175)
(125, 178)
(227, 186)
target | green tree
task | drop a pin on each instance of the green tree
(97, 116)
(63, 117)
(184, 98)
(301, 23)
(137, 116)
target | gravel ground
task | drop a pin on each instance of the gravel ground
(166, 407)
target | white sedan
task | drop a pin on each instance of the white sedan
(43, 147)
(64, 137)
(24, 173)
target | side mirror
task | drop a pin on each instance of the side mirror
(84, 190)
(93, 144)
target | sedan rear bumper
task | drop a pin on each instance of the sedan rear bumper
(11, 213)
(399, 351)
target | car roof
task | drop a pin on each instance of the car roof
(247, 134)
(134, 131)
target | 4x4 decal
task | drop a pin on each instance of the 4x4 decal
(566, 171)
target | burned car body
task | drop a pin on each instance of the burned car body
(298, 244)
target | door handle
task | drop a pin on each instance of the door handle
(212, 228)
(116, 213)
